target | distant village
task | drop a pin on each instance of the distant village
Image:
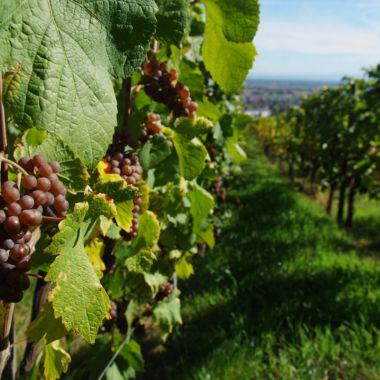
(264, 98)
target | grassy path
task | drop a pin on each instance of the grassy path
(283, 296)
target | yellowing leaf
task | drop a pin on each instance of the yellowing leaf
(124, 215)
(56, 361)
(149, 232)
(95, 249)
(183, 268)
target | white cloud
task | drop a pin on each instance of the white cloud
(313, 36)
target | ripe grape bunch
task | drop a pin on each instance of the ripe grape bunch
(151, 127)
(163, 87)
(40, 194)
(129, 168)
(126, 165)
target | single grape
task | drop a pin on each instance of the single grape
(127, 170)
(39, 197)
(55, 166)
(115, 164)
(115, 171)
(31, 217)
(60, 203)
(3, 216)
(45, 170)
(29, 182)
(57, 188)
(19, 251)
(49, 199)
(27, 164)
(11, 194)
(53, 177)
(43, 184)
(7, 244)
(12, 225)
(4, 255)
(131, 181)
(14, 209)
(38, 160)
(26, 202)
(118, 156)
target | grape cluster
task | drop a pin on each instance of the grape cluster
(151, 127)
(164, 291)
(126, 165)
(163, 87)
(22, 209)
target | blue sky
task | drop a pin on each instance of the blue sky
(317, 39)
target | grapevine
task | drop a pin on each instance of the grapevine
(109, 190)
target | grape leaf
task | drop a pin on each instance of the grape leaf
(149, 232)
(202, 203)
(60, 56)
(191, 156)
(168, 312)
(56, 361)
(77, 296)
(46, 326)
(238, 19)
(95, 249)
(192, 76)
(192, 127)
(141, 261)
(228, 51)
(172, 20)
(184, 268)
(73, 173)
(237, 58)
(124, 214)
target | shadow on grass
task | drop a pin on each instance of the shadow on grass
(280, 262)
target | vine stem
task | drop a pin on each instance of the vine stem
(5, 349)
(12, 163)
(116, 354)
(7, 318)
(3, 133)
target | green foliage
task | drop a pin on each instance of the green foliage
(73, 274)
(56, 361)
(76, 91)
(286, 294)
(227, 51)
(172, 20)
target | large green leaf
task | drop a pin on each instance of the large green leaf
(172, 20)
(238, 19)
(168, 312)
(202, 203)
(228, 51)
(77, 296)
(60, 54)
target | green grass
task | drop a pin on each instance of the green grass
(285, 295)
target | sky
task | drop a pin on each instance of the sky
(317, 39)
